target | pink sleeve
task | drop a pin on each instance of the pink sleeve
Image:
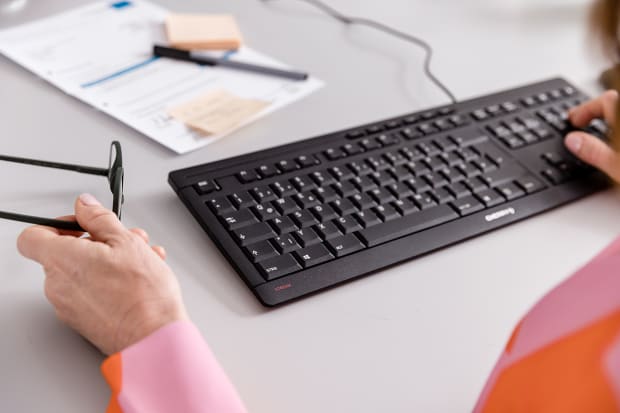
(171, 370)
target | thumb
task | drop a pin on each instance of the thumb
(595, 152)
(100, 222)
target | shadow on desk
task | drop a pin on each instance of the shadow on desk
(42, 354)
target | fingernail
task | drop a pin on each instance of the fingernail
(573, 142)
(89, 200)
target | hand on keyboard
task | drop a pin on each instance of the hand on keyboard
(589, 148)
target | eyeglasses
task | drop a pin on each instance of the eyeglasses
(114, 173)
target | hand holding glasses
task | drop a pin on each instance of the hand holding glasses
(114, 173)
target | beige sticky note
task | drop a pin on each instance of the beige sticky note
(203, 31)
(217, 111)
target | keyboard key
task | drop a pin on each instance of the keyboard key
(468, 137)
(239, 219)
(260, 251)
(343, 207)
(327, 230)
(313, 255)
(351, 149)
(283, 189)
(386, 212)
(374, 129)
(283, 225)
(221, 205)
(344, 245)
(364, 183)
(341, 174)
(242, 199)
(345, 189)
(267, 171)
(507, 173)
(285, 243)
(378, 164)
(428, 148)
(253, 233)
(205, 187)
(322, 178)
(400, 190)
(306, 161)
(362, 201)
(370, 144)
(265, 212)
(530, 184)
(285, 206)
(347, 224)
(442, 195)
(475, 184)
(360, 168)
(424, 201)
(411, 133)
(510, 191)
(263, 194)
(405, 206)
(246, 176)
(459, 190)
(381, 196)
(367, 218)
(303, 219)
(279, 266)
(382, 178)
(303, 183)
(407, 225)
(323, 213)
(306, 200)
(334, 153)
(490, 197)
(418, 185)
(307, 236)
(326, 194)
(467, 205)
(436, 180)
(286, 165)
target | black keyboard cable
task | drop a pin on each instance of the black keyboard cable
(348, 20)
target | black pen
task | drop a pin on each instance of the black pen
(199, 57)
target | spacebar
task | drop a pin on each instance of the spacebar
(406, 225)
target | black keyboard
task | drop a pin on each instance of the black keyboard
(299, 218)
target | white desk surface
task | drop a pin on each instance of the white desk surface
(421, 336)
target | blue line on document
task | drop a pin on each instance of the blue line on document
(119, 73)
(120, 4)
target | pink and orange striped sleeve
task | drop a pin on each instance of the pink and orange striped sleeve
(171, 370)
(564, 355)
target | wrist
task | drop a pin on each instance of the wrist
(146, 317)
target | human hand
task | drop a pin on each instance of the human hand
(589, 148)
(112, 287)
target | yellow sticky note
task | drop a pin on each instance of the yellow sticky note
(203, 31)
(217, 112)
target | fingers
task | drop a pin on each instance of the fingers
(100, 222)
(34, 242)
(159, 250)
(603, 106)
(595, 152)
(141, 233)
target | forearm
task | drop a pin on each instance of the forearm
(171, 370)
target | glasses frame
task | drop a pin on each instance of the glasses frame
(114, 173)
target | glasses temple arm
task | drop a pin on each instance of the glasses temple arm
(69, 167)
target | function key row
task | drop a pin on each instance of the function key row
(547, 97)
(495, 110)
(268, 170)
(447, 112)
